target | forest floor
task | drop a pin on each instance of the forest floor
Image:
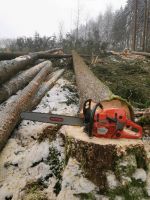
(128, 77)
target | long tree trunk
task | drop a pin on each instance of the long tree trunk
(134, 25)
(141, 53)
(18, 82)
(13, 55)
(10, 68)
(45, 87)
(102, 158)
(10, 55)
(90, 87)
(145, 26)
(10, 114)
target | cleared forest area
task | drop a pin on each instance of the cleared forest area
(50, 161)
(96, 76)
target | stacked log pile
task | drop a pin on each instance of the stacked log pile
(34, 81)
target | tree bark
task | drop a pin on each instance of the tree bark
(18, 82)
(10, 55)
(45, 87)
(135, 25)
(145, 25)
(13, 55)
(56, 56)
(10, 115)
(9, 68)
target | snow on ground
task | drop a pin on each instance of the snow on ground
(23, 158)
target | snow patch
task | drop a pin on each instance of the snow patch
(140, 174)
(111, 180)
(73, 179)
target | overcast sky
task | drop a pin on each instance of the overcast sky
(24, 17)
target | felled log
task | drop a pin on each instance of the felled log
(18, 82)
(90, 87)
(10, 55)
(141, 53)
(45, 87)
(10, 68)
(13, 55)
(10, 114)
(56, 56)
(109, 163)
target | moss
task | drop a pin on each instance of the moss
(125, 166)
(69, 75)
(86, 196)
(128, 79)
(145, 120)
(56, 165)
(34, 191)
(129, 192)
(67, 149)
(140, 155)
(49, 132)
(38, 195)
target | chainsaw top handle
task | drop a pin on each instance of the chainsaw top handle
(91, 122)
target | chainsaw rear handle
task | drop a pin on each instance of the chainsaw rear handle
(138, 128)
(87, 110)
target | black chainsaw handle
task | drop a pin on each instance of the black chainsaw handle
(87, 111)
(91, 123)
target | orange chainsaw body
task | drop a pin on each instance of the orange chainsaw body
(104, 126)
(109, 123)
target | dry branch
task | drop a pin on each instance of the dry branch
(10, 115)
(18, 82)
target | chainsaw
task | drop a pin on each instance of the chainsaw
(98, 121)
